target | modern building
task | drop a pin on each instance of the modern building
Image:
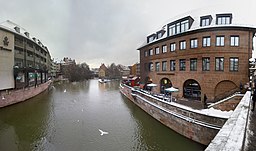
(199, 53)
(24, 61)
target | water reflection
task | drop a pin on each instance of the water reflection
(22, 127)
(70, 120)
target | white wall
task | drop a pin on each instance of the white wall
(6, 61)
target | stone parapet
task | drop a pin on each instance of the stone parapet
(232, 135)
(16, 96)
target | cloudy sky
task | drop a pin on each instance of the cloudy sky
(100, 31)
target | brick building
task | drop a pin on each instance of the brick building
(199, 54)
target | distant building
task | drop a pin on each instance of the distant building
(95, 72)
(103, 71)
(125, 71)
(68, 61)
(135, 69)
(54, 69)
(24, 61)
(66, 65)
(205, 54)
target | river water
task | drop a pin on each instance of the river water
(68, 118)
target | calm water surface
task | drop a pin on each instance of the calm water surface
(70, 121)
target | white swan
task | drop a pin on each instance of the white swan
(65, 91)
(102, 132)
(3, 97)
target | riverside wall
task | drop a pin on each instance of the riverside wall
(187, 122)
(10, 97)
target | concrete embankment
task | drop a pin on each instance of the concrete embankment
(16, 96)
(231, 137)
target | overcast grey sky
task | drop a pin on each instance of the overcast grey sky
(99, 31)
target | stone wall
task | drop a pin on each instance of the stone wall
(188, 122)
(16, 96)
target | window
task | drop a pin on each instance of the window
(172, 47)
(193, 43)
(157, 50)
(206, 41)
(172, 65)
(223, 20)
(159, 35)
(157, 66)
(219, 64)
(164, 66)
(234, 41)
(172, 30)
(164, 48)
(233, 64)
(151, 66)
(182, 64)
(220, 41)
(151, 52)
(184, 26)
(182, 45)
(206, 64)
(205, 20)
(179, 26)
(146, 53)
(151, 38)
(193, 64)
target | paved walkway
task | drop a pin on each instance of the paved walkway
(195, 104)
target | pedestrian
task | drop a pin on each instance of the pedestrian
(253, 99)
(204, 101)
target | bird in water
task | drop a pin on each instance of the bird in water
(65, 91)
(3, 97)
(102, 132)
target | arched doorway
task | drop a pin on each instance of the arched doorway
(192, 89)
(224, 89)
(165, 83)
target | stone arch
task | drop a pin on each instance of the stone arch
(224, 88)
(192, 89)
(165, 83)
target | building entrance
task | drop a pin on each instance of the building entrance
(192, 89)
(165, 83)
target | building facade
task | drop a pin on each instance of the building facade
(24, 61)
(199, 55)
(103, 71)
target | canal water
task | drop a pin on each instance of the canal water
(69, 118)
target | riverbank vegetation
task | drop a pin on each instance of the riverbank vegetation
(77, 72)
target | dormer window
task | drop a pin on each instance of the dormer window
(160, 34)
(223, 19)
(151, 38)
(27, 34)
(179, 26)
(17, 29)
(205, 20)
